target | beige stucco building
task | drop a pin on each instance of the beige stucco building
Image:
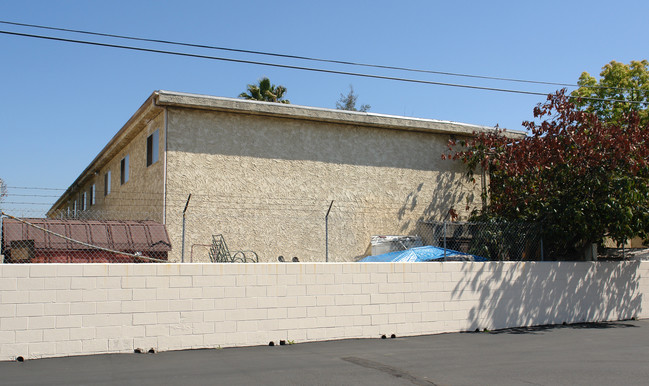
(264, 175)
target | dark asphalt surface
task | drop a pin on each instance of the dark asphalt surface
(582, 354)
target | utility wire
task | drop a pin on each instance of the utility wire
(26, 203)
(32, 188)
(285, 55)
(194, 45)
(362, 75)
(171, 42)
(30, 195)
(265, 63)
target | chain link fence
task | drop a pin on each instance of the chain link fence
(498, 241)
(250, 234)
(84, 237)
(234, 234)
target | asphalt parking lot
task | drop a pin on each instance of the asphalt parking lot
(580, 354)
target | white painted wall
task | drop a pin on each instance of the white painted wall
(51, 310)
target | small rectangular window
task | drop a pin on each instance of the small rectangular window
(92, 194)
(84, 197)
(107, 183)
(123, 178)
(152, 148)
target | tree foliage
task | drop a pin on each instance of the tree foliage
(618, 81)
(581, 177)
(348, 102)
(265, 91)
(3, 190)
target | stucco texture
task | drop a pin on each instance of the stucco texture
(266, 183)
(141, 198)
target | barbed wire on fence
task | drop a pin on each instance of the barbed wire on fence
(353, 221)
(135, 197)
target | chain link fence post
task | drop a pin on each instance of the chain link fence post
(444, 238)
(327, 232)
(182, 252)
(2, 248)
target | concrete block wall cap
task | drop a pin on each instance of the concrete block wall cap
(179, 99)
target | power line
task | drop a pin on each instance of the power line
(31, 195)
(33, 188)
(273, 54)
(408, 80)
(26, 203)
(171, 42)
(185, 54)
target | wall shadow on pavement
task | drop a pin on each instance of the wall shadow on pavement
(554, 327)
(547, 293)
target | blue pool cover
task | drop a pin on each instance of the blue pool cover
(426, 253)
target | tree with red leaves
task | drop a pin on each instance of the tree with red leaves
(582, 178)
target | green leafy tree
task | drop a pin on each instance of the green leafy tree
(348, 102)
(582, 178)
(618, 81)
(265, 91)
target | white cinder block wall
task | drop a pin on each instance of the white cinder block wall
(51, 310)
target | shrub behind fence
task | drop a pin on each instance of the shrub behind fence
(512, 241)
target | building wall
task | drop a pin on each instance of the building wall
(51, 310)
(138, 199)
(266, 183)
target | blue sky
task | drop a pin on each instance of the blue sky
(60, 103)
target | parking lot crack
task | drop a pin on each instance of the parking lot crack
(395, 372)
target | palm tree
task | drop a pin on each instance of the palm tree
(265, 92)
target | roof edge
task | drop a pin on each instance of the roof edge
(206, 102)
(96, 163)
(163, 98)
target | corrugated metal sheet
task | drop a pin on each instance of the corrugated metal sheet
(143, 236)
